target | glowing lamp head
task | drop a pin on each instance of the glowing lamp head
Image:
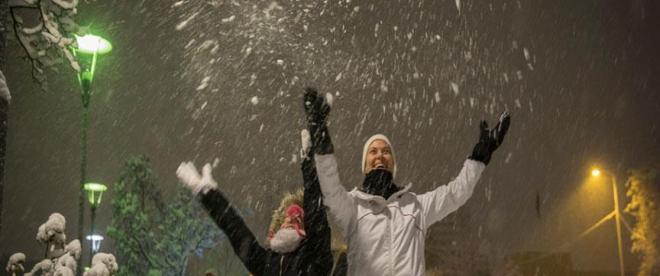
(595, 172)
(94, 193)
(92, 44)
(95, 240)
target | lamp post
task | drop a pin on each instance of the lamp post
(89, 47)
(94, 195)
(617, 214)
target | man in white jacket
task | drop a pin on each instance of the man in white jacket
(385, 225)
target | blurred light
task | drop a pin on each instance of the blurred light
(91, 44)
(95, 192)
(595, 172)
(94, 237)
(95, 187)
(96, 241)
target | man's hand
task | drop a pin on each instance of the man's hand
(490, 139)
(189, 176)
(317, 109)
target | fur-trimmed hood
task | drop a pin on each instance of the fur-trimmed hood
(279, 214)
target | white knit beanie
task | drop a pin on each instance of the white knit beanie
(366, 148)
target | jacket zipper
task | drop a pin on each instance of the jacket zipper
(281, 262)
(389, 224)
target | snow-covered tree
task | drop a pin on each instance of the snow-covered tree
(151, 235)
(61, 257)
(15, 264)
(51, 234)
(45, 29)
(643, 189)
(103, 265)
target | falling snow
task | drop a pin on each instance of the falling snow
(228, 79)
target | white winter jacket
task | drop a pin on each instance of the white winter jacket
(386, 237)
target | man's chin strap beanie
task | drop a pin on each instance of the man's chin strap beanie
(366, 149)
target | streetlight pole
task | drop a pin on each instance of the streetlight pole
(618, 224)
(87, 50)
(617, 216)
(85, 95)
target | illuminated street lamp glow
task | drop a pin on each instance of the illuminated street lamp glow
(595, 172)
(88, 48)
(92, 44)
(95, 192)
(96, 241)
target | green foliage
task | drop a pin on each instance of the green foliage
(643, 189)
(151, 235)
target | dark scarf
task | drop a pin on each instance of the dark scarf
(379, 182)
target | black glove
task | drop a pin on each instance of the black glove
(490, 139)
(317, 109)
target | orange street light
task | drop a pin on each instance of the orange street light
(595, 172)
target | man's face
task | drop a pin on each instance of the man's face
(379, 156)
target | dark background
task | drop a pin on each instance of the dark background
(578, 77)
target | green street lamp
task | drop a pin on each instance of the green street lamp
(92, 44)
(94, 195)
(89, 47)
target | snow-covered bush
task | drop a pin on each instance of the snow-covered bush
(73, 248)
(63, 271)
(45, 267)
(61, 259)
(108, 260)
(103, 264)
(51, 233)
(66, 261)
(15, 264)
(97, 270)
(52, 229)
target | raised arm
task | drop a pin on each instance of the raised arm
(315, 220)
(317, 244)
(446, 199)
(242, 240)
(342, 208)
(341, 205)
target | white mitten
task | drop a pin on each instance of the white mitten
(306, 143)
(208, 182)
(189, 176)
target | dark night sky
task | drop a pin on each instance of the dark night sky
(579, 77)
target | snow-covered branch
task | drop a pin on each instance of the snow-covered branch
(23, 3)
(69, 5)
(4, 89)
(15, 264)
(49, 41)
